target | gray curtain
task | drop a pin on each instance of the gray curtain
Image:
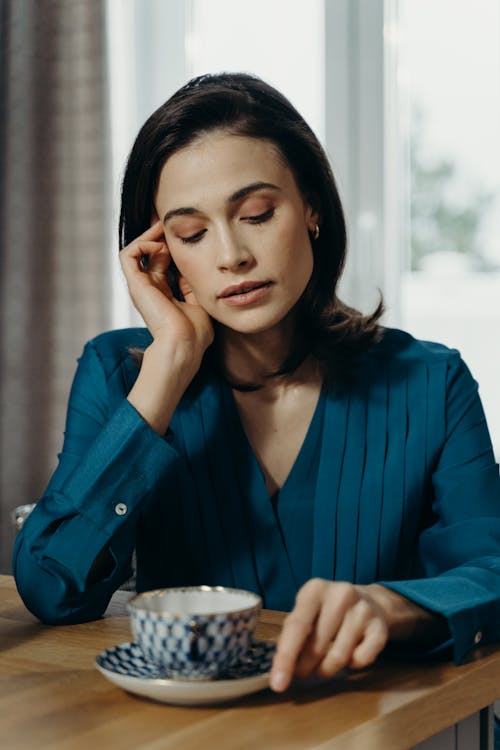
(54, 229)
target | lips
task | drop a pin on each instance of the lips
(243, 288)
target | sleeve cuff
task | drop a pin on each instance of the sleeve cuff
(469, 609)
(76, 557)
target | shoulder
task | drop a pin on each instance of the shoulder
(401, 347)
(417, 372)
(398, 356)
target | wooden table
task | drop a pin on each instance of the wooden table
(51, 696)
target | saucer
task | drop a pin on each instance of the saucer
(125, 666)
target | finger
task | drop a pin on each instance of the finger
(190, 299)
(187, 292)
(142, 247)
(131, 257)
(158, 262)
(296, 629)
(309, 658)
(350, 634)
(338, 600)
(154, 231)
(295, 632)
(375, 640)
(341, 598)
(141, 284)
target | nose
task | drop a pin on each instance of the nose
(233, 253)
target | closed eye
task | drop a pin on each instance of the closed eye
(194, 237)
(260, 218)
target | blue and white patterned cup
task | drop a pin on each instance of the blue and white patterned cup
(194, 632)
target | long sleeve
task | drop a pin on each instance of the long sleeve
(111, 460)
(459, 551)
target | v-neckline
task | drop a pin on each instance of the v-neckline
(274, 496)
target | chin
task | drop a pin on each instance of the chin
(260, 322)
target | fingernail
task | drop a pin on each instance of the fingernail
(279, 681)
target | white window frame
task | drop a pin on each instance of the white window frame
(361, 97)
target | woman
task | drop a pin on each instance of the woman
(260, 433)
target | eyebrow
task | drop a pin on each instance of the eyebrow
(238, 195)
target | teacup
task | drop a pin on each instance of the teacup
(194, 632)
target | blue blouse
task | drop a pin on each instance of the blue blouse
(395, 483)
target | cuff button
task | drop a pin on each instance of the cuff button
(478, 637)
(120, 509)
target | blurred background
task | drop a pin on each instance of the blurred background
(403, 94)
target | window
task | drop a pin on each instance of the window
(278, 40)
(449, 76)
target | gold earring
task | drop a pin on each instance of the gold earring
(316, 232)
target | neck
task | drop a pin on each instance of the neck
(251, 358)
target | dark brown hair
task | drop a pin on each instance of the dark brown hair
(242, 104)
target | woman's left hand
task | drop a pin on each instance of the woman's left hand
(333, 625)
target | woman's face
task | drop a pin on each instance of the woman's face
(237, 228)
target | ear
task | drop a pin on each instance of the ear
(312, 218)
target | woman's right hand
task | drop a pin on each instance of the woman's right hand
(169, 320)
